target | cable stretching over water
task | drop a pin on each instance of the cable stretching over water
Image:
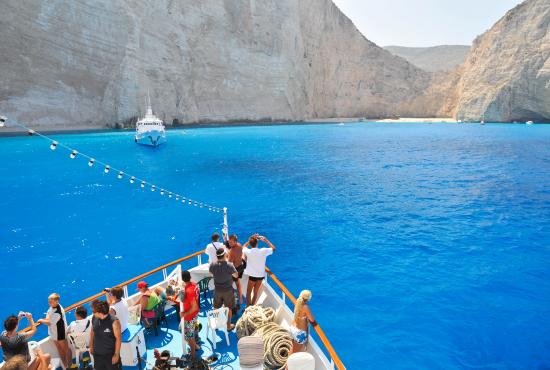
(120, 173)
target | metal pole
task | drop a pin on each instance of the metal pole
(225, 229)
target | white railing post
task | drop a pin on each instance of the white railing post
(284, 297)
(225, 229)
(126, 291)
(164, 274)
(332, 363)
(200, 259)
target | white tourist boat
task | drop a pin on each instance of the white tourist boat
(223, 349)
(150, 129)
(138, 344)
(529, 122)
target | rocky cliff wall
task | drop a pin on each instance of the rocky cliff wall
(506, 76)
(432, 59)
(92, 63)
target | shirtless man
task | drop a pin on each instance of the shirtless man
(235, 256)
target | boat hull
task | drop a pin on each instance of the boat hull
(151, 138)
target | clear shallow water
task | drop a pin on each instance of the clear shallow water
(426, 246)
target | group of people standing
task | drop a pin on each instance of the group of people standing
(228, 262)
(102, 333)
(244, 259)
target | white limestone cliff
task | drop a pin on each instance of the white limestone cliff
(92, 62)
(506, 76)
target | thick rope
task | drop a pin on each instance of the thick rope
(252, 318)
(277, 344)
(259, 321)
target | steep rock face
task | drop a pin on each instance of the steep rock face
(81, 62)
(506, 75)
(432, 59)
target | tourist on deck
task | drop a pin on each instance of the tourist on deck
(117, 306)
(235, 256)
(17, 362)
(302, 317)
(223, 273)
(255, 266)
(148, 301)
(105, 338)
(82, 324)
(57, 326)
(15, 345)
(173, 293)
(190, 311)
(212, 247)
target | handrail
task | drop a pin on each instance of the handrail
(334, 356)
(337, 362)
(127, 282)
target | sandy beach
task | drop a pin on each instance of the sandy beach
(75, 129)
(410, 119)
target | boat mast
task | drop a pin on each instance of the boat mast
(149, 109)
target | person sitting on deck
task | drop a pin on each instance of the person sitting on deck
(118, 307)
(235, 256)
(82, 324)
(17, 362)
(57, 324)
(212, 247)
(223, 273)
(302, 317)
(190, 299)
(148, 301)
(255, 266)
(15, 345)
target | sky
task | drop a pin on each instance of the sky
(424, 22)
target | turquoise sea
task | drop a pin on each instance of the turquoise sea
(426, 246)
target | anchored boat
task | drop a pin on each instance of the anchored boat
(150, 129)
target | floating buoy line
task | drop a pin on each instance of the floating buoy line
(121, 174)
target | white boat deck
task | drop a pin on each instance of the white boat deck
(170, 337)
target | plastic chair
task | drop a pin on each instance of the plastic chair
(204, 288)
(301, 361)
(251, 353)
(217, 319)
(78, 342)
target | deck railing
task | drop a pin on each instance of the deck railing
(335, 360)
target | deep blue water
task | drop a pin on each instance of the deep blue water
(425, 246)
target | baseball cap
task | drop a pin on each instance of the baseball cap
(142, 284)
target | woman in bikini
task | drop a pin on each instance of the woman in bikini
(302, 317)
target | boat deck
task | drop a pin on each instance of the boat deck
(170, 338)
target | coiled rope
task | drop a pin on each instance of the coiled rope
(277, 344)
(252, 318)
(259, 321)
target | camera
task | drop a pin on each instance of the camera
(22, 314)
(107, 290)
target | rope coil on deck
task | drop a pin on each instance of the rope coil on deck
(259, 321)
(252, 318)
(277, 344)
